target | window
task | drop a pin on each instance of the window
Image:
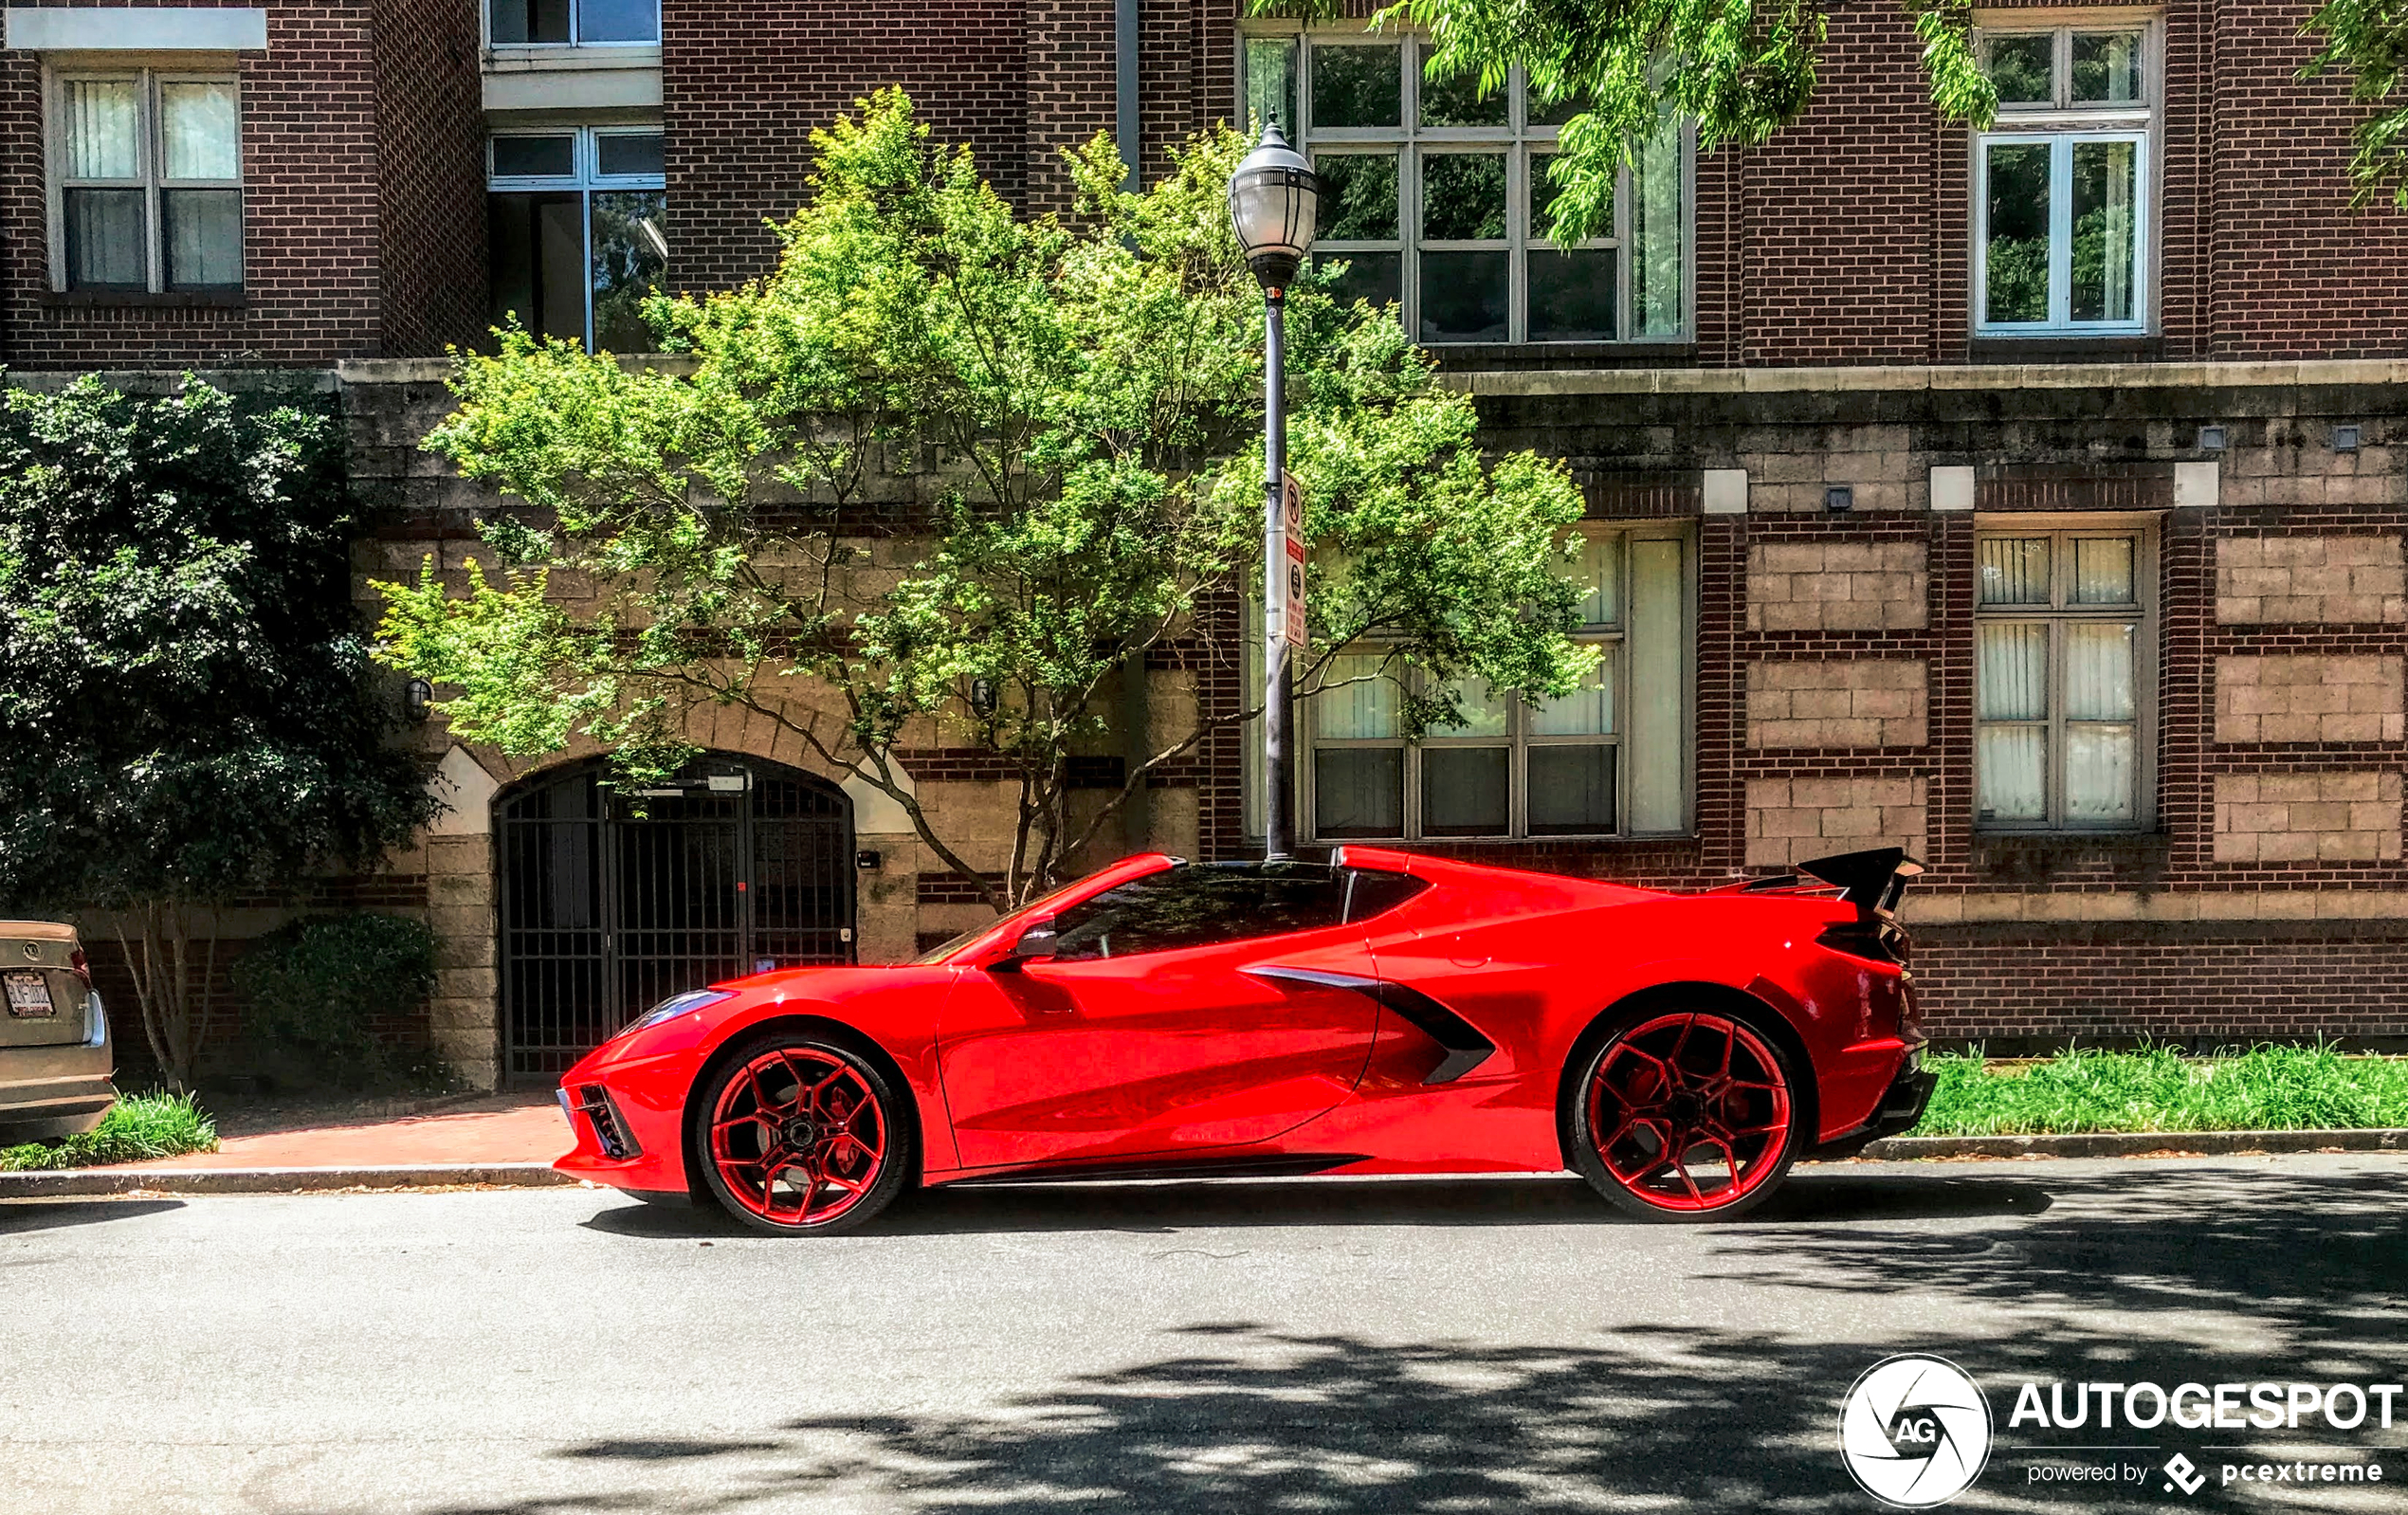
(579, 225)
(1437, 199)
(518, 23)
(2061, 647)
(1199, 906)
(147, 169)
(1605, 760)
(2061, 182)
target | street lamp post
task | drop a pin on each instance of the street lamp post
(1273, 201)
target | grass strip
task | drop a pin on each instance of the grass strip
(2264, 1088)
(138, 1126)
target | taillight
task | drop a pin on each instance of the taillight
(1874, 939)
(81, 969)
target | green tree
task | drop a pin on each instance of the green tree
(1079, 403)
(1742, 69)
(185, 707)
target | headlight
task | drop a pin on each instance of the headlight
(676, 1005)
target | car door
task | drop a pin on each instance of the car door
(1146, 1033)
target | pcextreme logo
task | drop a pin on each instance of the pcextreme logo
(1914, 1430)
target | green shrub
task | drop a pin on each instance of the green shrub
(139, 1127)
(314, 992)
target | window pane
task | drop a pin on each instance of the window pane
(1572, 296)
(1588, 712)
(625, 155)
(1655, 236)
(2016, 256)
(2013, 672)
(1600, 569)
(2107, 68)
(105, 240)
(2098, 774)
(1657, 734)
(1198, 906)
(2014, 571)
(1375, 277)
(2024, 66)
(1462, 196)
(1363, 709)
(1483, 713)
(1358, 86)
(200, 130)
(204, 238)
(2105, 235)
(535, 157)
(520, 21)
(1457, 101)
(2013, 763)
(1555, 113)
(1357, 196)
(2098, 672)
(1270, 85)
(631, 265)
(1463, 295)
(1464, 791)
(2103, 571)
(1358, 792)
(538, 261)
(1571, 790)
(1543, 191)
(102, 128)
(618, 20)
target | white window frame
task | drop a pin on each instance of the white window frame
(577, 27)
(1519, 739)
(1527, 146)
(150, 174)
(2060, 124)
(2063, 531)
(584, 180)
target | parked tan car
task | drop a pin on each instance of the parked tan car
(55, 1054)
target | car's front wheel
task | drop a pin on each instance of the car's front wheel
(800, 1132)
(1685, 1114)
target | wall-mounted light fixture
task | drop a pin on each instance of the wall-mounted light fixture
(2346, 438)
(1839, 498)
(2211, 439)
(416, 696)
(983, 696)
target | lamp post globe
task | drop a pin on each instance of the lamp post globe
(1273, 201)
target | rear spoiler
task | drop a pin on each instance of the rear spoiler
(1871, 881)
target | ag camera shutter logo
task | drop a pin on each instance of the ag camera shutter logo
(1914, 1430)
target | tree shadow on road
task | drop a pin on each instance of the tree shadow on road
(19, 1216)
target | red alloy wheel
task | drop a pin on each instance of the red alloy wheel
(1689, 1112)
(798, 1136)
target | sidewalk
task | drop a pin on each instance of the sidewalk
(496, 1129)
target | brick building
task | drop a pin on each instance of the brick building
(2028, 498)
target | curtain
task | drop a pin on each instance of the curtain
(104, 128)
(2103, 571)
(2012, 684)
(200, 129)
(2014, 571)
(1359, 711)
(1657, 270)
(1587, 712)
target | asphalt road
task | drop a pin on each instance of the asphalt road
(1256, 1348)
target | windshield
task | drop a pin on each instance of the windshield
(946, 949)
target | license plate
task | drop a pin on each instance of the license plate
(29, 995)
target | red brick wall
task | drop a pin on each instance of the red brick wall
(432, 175)
(311, 216)
(744, 86)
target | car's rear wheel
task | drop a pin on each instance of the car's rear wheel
(800, 1132)
(1685, 1114)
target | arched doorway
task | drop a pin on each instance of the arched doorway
(613, 900)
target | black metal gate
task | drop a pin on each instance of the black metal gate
(612, 901)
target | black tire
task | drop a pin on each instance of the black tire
(834, 1130)
(1688, 1114)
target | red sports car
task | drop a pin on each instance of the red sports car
(1380, 1012)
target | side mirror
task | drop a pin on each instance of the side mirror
(1035, 945)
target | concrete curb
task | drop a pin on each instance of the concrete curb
(2133, 1143)
(68, 1182)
